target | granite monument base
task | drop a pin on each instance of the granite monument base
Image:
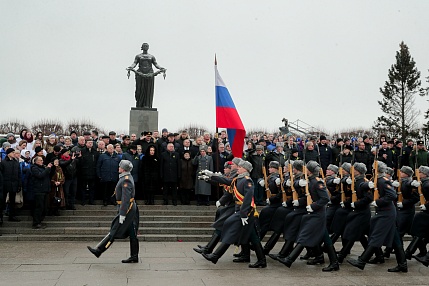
(143, 119)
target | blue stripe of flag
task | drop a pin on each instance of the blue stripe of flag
(223, 98)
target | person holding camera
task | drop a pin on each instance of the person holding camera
(41, 187)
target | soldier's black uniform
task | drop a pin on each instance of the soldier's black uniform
(267, 212)
(335, 200)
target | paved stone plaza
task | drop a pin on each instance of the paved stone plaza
(174, 263)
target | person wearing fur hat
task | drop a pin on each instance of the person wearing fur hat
(313, 224)
(357, 221)
(332, 184)
(340, 217)
(257, 159)
(273, 201)
(420, 226)
(228, 203)
(293, 211)
(240, 227)
(383, 225)
(126, 222)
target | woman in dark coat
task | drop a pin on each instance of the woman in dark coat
(41, 186)
(150, 173)
(186, 183)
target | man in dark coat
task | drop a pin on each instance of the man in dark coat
(41, 187)
(170, 172)
(220, 158)
(107, 172)
(325, 153)
(132, 156)
(145, 141)
(336, 150)
(88, 165)
(10, 170)
(363, 156)
(385, 155)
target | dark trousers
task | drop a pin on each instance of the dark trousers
(70, 189)
(40, 207)
(170, 187)
(185, 196)
(107, 188)
(12, 196)
(259, 192)
(88, 191)
(203, 199)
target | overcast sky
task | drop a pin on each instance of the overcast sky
(321, 62)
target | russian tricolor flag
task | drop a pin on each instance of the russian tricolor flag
(227, 116)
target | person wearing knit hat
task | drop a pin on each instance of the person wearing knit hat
(239, 228)
(357, 221)
(382, 226)
(310, 232)
(125, 224)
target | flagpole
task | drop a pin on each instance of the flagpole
(217, 151)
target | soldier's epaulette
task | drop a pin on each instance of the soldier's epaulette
(126, 177)
(247, 177)
(387, 179)
(318, 179)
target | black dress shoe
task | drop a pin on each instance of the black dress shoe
(37, 226)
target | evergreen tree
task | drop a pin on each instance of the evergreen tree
(400, 116)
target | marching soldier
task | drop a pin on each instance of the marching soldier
(275, 199)
(357, 222)
(383, 224)
(125, 224)
(332, 182)
(420, 226)
(240, 227)
(292, 220)
(313, 224)
(227, 201)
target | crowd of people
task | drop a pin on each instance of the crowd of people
(56, 170)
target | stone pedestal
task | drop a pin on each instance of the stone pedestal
(143, 119)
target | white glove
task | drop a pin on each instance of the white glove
(415, 183)
(349, 181)
(309, 209)
(278, 181)
(374, 204)
(336, 181)
(284, 204)
(302, 183)
(244, 221)
(121, 219)
(400, 205)
(295, 203)
(288, 183)
(423, 207)
(267, 201)
(371, 185)
(217, 204)
(342, 204)
(261, 183)
(207, 172)
(353, 205)
(203, 177)
(395, 184)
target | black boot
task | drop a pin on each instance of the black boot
(308, 255)
(422, 248)
(245, 257)
(423, 260)
(334, 237)
(134, 249)
(319, 258)
(210, 246)
(101, 247)
(333, 260)
(214, 257)
(342, 254)
(260, 255)
(400, 259)
(387, 252)
(412, 247)
(363, 259)
(286, 249)
(379, 257)
(292, 256)
(271, 243)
